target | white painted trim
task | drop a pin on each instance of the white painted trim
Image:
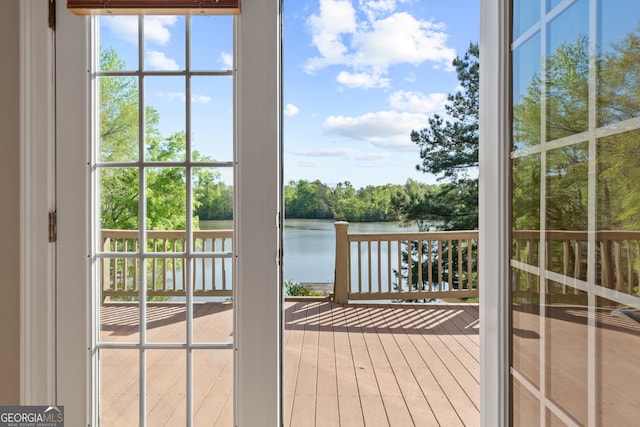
(257, 277)
(73, 247)
(494, 218)
(37, 198)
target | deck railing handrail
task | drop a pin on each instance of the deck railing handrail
(405, 265)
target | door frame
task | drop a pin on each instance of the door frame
(38, 371)
(37, 198)
(494, 214)
(56, 338)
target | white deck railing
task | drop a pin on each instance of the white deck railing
(372, 266)
(405, 266)
(165, 256)
(617, 258)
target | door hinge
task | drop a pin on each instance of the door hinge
(52, 14)
(53, 227)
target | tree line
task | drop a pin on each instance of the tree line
(304, 199)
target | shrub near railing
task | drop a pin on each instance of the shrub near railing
(166, 258)
(417, 265)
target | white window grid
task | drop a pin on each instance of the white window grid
(189, 255)
(590, 286)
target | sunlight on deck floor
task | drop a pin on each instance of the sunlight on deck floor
(345, 365)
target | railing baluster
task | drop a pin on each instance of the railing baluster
(389, 265)
(629, 267)
(164, 265)
(565, 263)
(154, 248)
(379, 267)
(529, 261)
(410, 265)
(136, 264)
(359, 268)
(369, 270)
(400, 266)
(460, 264)
(450, 265)
(637, 251)
(577, 267)
(440, 265)
(203, 264)
(125, 273)
(106, 267)
(430, 264)
(223, 268)
(618, 267)
(419, 283)
(469, 264)
(174, 246)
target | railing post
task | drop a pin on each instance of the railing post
(341, 281)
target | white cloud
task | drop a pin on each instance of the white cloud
(362, 80)
(156, 28)
(410, 77)
(159, 61)
(417, 102)
(227, 60)
(369, 42)
(374, 8)
(172, 96)
(291, 110)
(180, 96)
(400, 38)
(347, 153)
(337, 17)
(307, 163)
(390, 129)
(200, 99)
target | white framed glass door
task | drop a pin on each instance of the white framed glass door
(148, 282)
(575, 292)
(163, 135)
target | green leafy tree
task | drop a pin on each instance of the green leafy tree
(449, 149)
(316, 200)
(118, 139)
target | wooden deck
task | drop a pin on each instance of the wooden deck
(345, 365)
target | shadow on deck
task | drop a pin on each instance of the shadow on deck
(344, 365)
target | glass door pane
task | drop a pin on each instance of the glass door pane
(163, 174)
(575, 270)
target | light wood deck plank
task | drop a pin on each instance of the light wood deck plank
(349, 397)
(303, 411)
(415, 399)
(394, 402)
(327, 410)
(373, 409)
(352, 365)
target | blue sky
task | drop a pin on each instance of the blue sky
(359, 75)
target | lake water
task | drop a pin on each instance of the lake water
(309, 245)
